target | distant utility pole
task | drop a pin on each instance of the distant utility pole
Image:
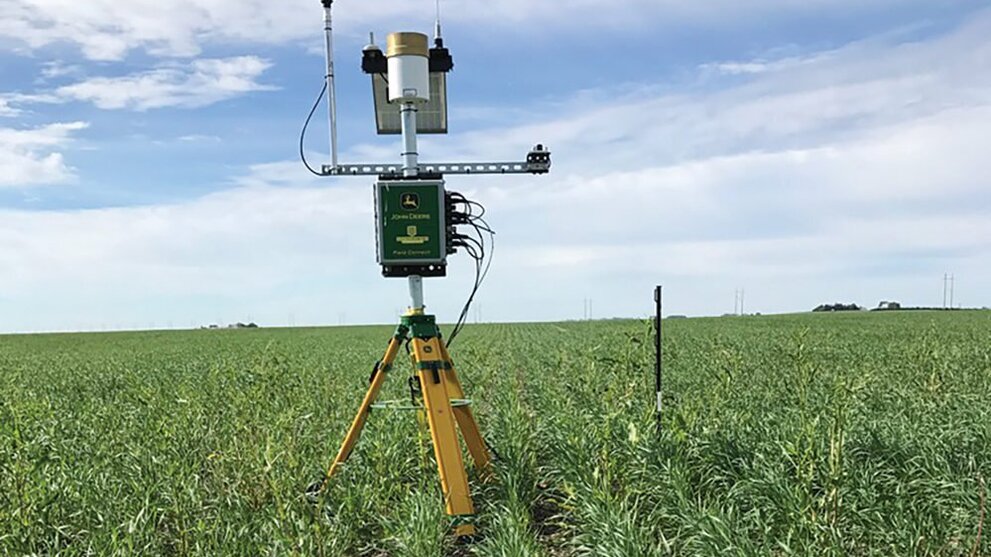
(952, 281)
(587, 310)
(738, 298)
(946, 277)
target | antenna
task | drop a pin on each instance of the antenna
(438, 36)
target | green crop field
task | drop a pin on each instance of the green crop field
(858, 434)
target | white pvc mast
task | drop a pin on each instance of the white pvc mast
(328, 29)
(411, 169)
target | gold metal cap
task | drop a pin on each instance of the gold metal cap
(407, 44)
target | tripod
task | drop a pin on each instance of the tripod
(446, 408)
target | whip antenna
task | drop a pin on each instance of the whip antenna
(438, 36)
(329, 77)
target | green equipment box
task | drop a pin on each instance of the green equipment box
(411, 232)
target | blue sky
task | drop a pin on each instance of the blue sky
(805, 151)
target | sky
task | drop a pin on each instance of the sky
(804, 151)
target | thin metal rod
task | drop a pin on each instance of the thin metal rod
(328, 29)
(410, 155)
(658, 355)
(378, 168)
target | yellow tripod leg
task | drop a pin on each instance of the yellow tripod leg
(466, 420)
(430, 360)
(359, 420)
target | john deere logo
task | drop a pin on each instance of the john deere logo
(410, 201)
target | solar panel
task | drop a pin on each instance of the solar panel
(431, 117)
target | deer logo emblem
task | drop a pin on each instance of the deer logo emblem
(410, 201)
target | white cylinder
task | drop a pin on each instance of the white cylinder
(409, 79)
(409, 67)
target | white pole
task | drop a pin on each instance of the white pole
(410, 155)
(328, 29)
(416, 292)
(410, 170)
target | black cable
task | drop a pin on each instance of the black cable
(462, 319)
(302, 134)
(491, 449)
(474, 248)
(469, 204)
(488, 263)
(459, 325)
(482, 257)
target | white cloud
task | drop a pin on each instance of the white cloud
(109, 29)
(7, 111)
(218, 241)
(199, 138)
(56, 69)
(189, 262)
(28, 157)
(795, 104)
(898, 190)
(201, 83)
(9, 103)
